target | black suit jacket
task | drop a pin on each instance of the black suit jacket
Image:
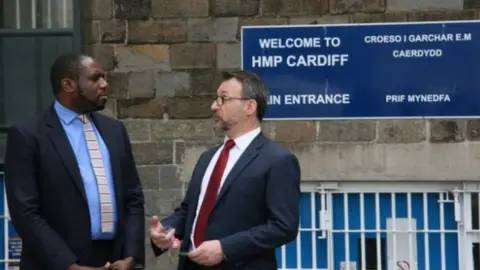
(47, 200)
(257, 209)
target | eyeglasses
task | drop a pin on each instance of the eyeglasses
(221, 100)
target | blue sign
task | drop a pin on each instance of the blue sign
(371, 71)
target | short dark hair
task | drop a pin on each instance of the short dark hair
(65, 66)
(252, 87)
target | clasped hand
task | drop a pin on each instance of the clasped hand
(162, 237)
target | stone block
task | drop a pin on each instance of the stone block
(141, 108)
(175, 8)
(143, 57)
(225, 8)
(104, 54)
(401, 131)
(138, 130)
(447, 131)
(205, 81)
(169, 177)
(293, 7)
(193, 55)
(443, 15)
(132, 84)
(152, 153)
(473, 130)
(195, 107)
(354, 6)
(198, 129)
(408, 5)
(132, 9)
(179, 152)
(327, 19)
(212, 29)
(112, 30)
(170, 84)
(97, 9)
(149, 176)
(378, 17)
(161, 202)
(157, 31)
(347, 131)
(295, 131)
(229, 56)
(91, 32)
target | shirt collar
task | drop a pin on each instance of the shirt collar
(243, 141)
(66, 115)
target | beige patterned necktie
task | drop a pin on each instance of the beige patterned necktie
(106, 208)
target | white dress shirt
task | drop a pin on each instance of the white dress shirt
(241, 143)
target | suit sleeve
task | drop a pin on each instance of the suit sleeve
(135, 212)
(23, 198)
(178, 218)
(283, 199)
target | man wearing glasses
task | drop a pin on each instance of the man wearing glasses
(243, 197)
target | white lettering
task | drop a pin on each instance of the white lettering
(319, 60)
(266, 60)
(429, 98)
(417, 53)
(383, 39)
(274, 100)
(430, 38)
(395, 98)
(278, 43)
(317, 99)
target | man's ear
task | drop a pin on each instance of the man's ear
(68, 85)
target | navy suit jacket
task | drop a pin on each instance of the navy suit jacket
(47, 200)
(257, 209)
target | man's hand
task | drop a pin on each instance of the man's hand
(161, 237)
(125, 264)
(209, 253)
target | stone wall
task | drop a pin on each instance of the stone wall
(163, 59)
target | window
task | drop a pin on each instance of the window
(36, 14)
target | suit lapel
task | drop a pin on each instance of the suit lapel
(112, 143)
(60, 140)
(248, 156)
(196, 184)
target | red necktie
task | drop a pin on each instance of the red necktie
(211, 194)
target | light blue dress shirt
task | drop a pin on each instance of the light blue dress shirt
(74, 130)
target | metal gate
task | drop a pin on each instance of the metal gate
(32, 34)
(389, 226)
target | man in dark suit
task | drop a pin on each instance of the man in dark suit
(72, 186)
(243, 198)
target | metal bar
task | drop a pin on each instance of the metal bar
(410, 237)
(442, 228)
(362, 228)
(36, 32)
(314, 227)
(49, 14)
(347, 232)
(64, 14)
(18, 22)
(394, 221)
(425, 228)
(377, 227)
(34, 14)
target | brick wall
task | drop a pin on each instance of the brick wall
(163, 58)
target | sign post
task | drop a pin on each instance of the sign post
(367, 71)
